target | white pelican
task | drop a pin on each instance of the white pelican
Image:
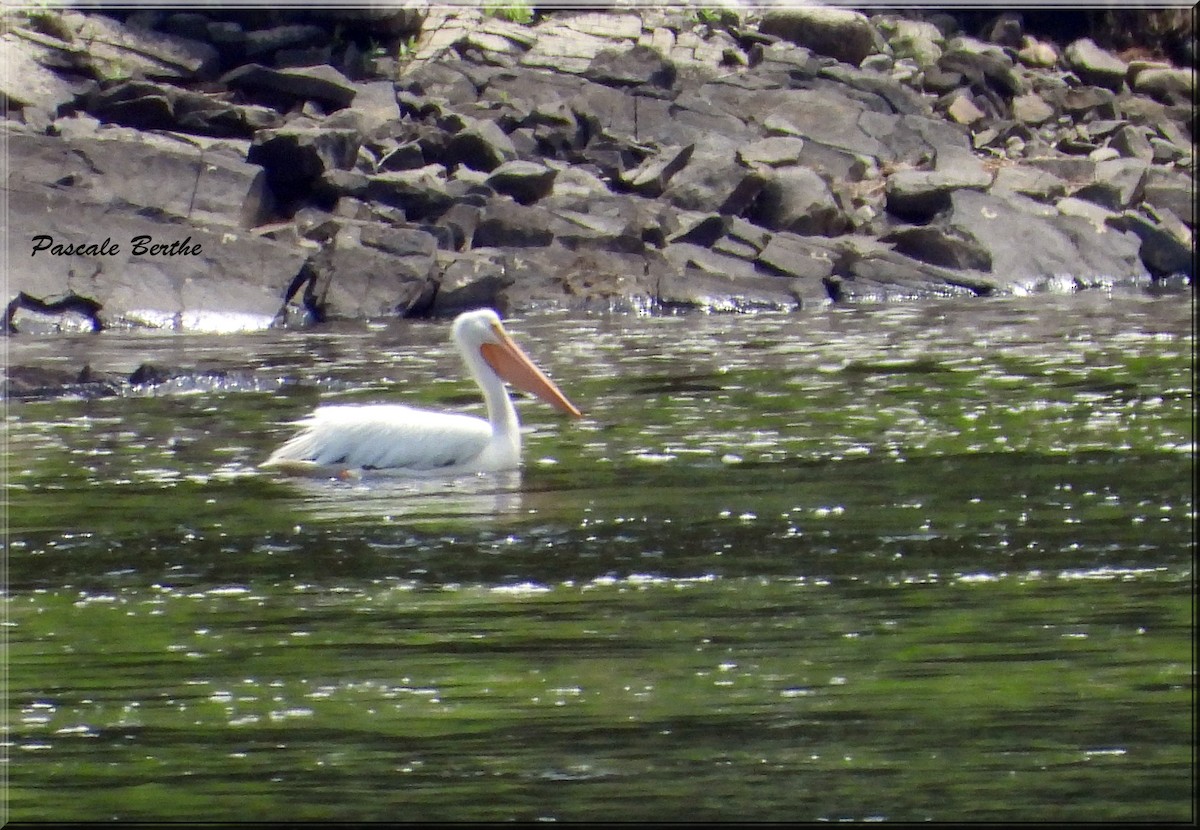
(338, 440)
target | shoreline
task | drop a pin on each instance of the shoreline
(320, 165)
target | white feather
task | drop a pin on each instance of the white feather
(378, 436)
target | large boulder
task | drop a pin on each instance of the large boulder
(368, 271)
(283, 88)
(1094, 65)
(117, 50)
(1030, 244)
(797, 199)
(26, 82)
(135, 268)
(839, 33)
(174, 177)
(297, 155)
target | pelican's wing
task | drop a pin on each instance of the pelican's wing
(383, 436)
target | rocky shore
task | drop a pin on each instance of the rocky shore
(234, 169)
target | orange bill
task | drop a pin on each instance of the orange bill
(512, 364)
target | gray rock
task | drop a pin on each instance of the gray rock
(1031, 109)
(509, 225)
(1118, 183)
(876, 91)
(693, 288)
(460, 220)
(881, 275)
(27, 83)
(797, 199)
(354, 280)
(1036, 53)
(1132, 142)
(534, 97)
(947, 246)
(588, 279)
(1094, 65)
(570, 44)
(423, 90)
(1030, 244)
(577, 183)
(711, 115)
(1029, 181)
(819, 117)
(524, 181)
(422, 194)
(1070, 169)
(639, 119)
(594, 226)
(636, 66)
(916, 39)
(263, 43)
(295, 156)
(709, 181)
(472, 279)
(117, 51)
(154, 105)
(1166, 152)
(772, 152)
(688, 256)
(650, 178)
(1167, 247)
(407, 242)
(745, 236)
(919, 194)
(702, 229)
(236, 280)
(839, 33)
(322, 84)
(481, 145)
(982, 64)
(1078, 101)
(963, 110)
(1169, 85)
(1006, 29)
(1100, 128)
(406, 156)
(375, 103)
(170, 177)
(1094, 213)
(142, 105)
(795, 256)
(1170, 190)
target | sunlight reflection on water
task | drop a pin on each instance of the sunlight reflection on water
(916, 562)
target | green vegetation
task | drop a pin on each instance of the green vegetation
(716, 17)
(514, 12)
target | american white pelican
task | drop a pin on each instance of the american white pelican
(343, 439)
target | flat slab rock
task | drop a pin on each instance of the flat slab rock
(218, 279)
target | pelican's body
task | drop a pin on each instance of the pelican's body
(397, 438)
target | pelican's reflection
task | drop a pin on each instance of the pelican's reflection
(414, 501)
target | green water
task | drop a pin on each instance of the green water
(911, 562)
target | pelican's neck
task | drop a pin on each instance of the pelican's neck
(502, 415)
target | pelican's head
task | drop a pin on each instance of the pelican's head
(474, 328)
(480, 334)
